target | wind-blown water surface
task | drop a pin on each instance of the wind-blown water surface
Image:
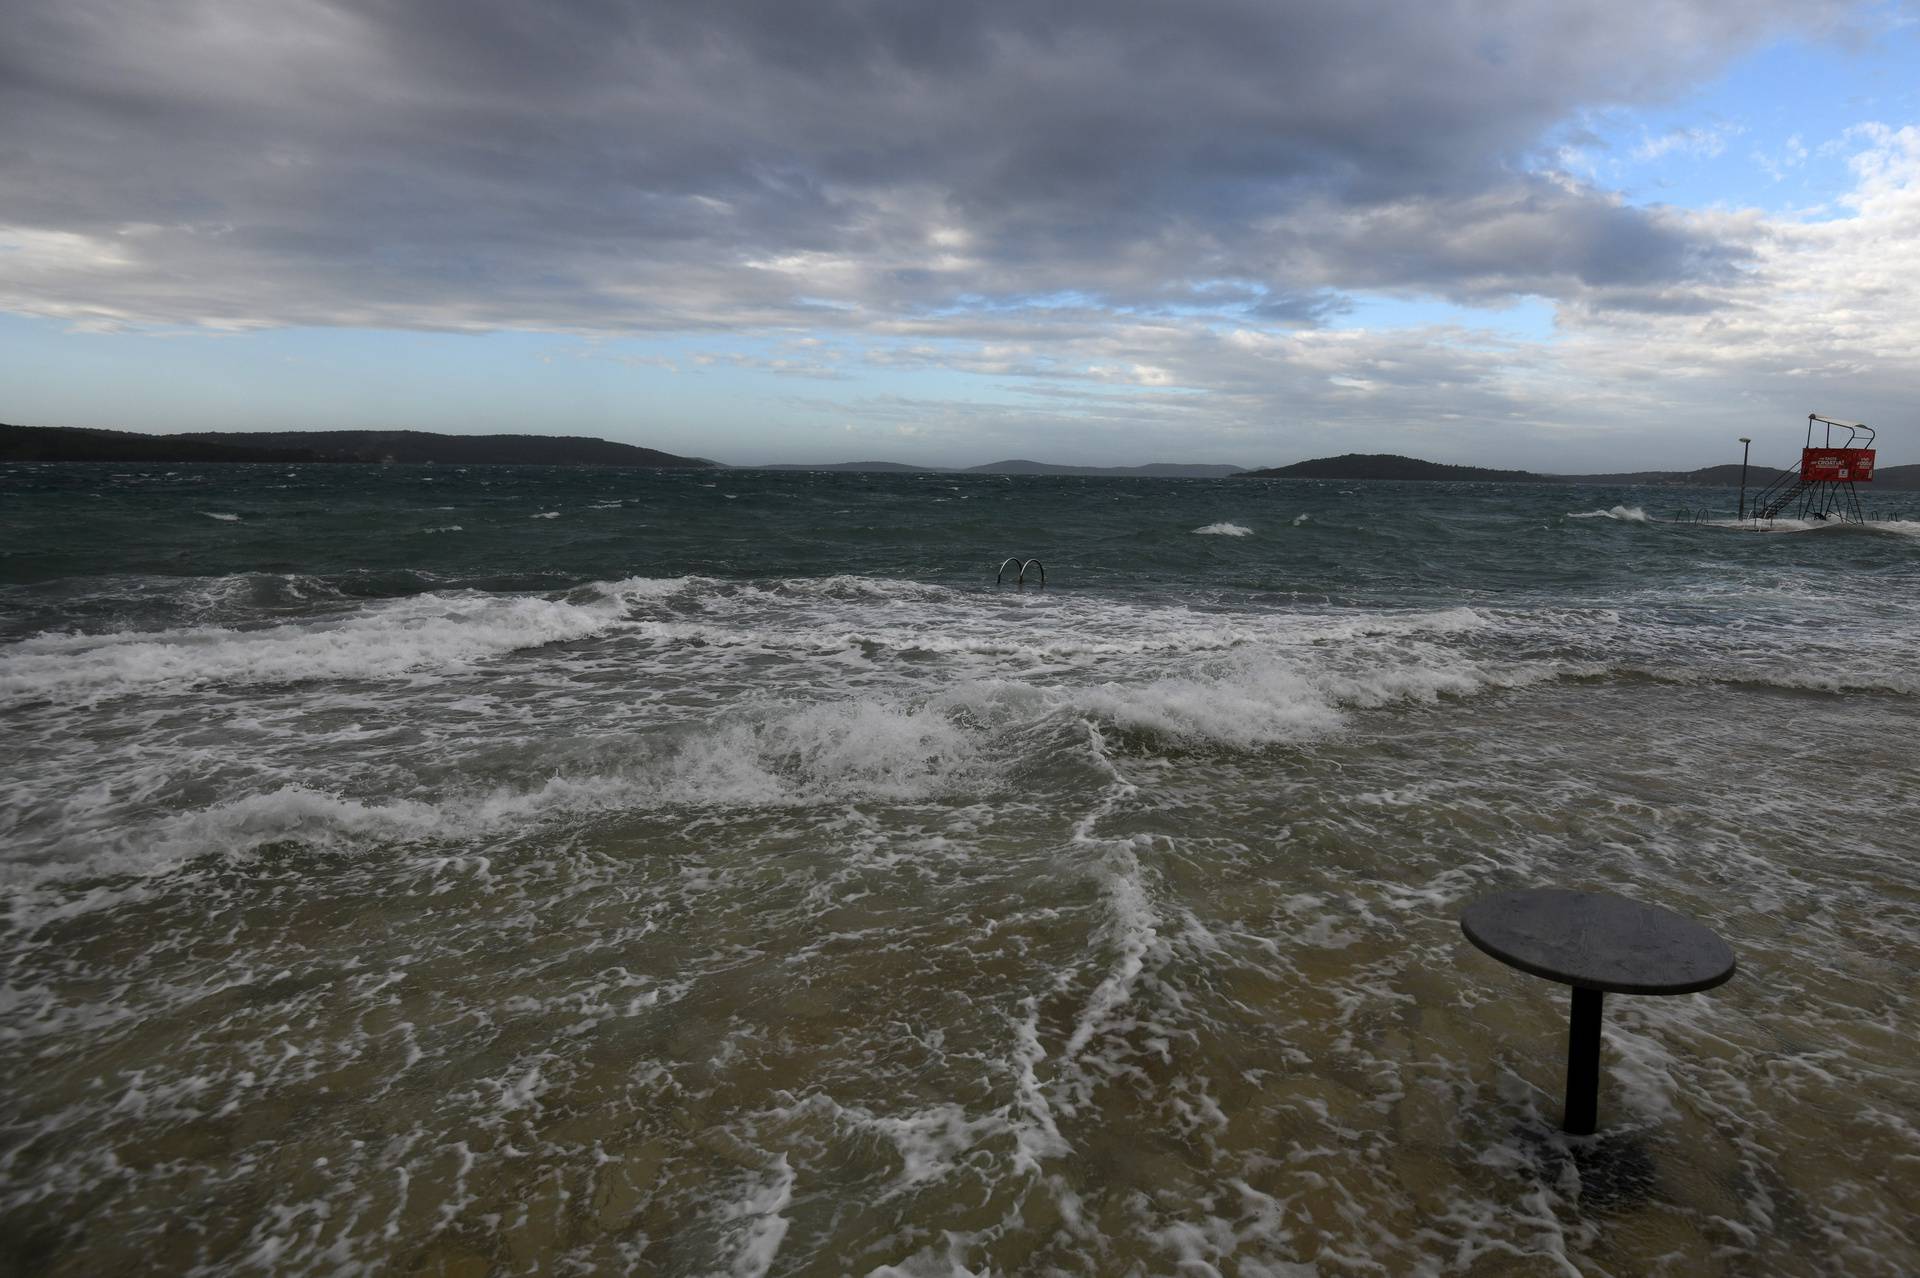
(413, 870)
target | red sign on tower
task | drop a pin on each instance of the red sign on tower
(1837, 465)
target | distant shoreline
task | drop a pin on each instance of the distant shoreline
(342, 447)
(412, 447)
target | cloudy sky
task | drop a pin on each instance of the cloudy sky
(1567, 236)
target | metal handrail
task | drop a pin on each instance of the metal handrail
(1777, 491)
(1853, 430)
(1020, 573)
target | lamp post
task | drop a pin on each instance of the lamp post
(1745, 445)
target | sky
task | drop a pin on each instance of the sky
(1570, 236)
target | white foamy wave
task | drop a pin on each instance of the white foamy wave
(940, 701)
(1343, 627)
(633, 588)
(1049, 647)
(749, 597)
(1223, 530)
(1625, 514)
(826, 751)
(849, 587)
(424, 632)
(221, 516)
(1265, 700)
(1883, 527)
(1261, 708)
(900, 749)
(1079, 637)
(546, 514)
(814, 754)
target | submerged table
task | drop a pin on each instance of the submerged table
(1599, 944)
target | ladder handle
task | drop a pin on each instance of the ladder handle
(1020, 571)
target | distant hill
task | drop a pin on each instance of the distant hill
(1020, 466)
(1391, 466)
(58, 444)
(74, 444)
(888, 468)
(417, 446)
(1899, 478)
(1153, 470)
(1893, 478)
(1727, 476)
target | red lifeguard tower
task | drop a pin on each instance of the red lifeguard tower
(1823, 487)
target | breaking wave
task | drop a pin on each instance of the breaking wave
(1625, 514)
(386, 640)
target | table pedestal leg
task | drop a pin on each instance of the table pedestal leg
(1583, 1063)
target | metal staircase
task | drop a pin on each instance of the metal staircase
(1780, 494)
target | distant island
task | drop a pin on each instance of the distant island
(1020, 466)
(1153, 470)
(1390, 466)
(1368, 466)
(80, 444)
(1365, 466)
(872, 467)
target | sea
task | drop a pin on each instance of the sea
(432, 871)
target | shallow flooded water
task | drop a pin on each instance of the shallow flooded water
(684, 918)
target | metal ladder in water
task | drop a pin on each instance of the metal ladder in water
(1020, 571)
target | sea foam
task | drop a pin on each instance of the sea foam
(1625, 514)
(384, 641)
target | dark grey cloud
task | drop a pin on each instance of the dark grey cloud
(674, 165)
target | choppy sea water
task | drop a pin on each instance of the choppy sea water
(412, 870)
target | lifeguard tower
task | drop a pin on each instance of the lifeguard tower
(1823, 487)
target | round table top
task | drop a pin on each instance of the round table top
(1598, 941)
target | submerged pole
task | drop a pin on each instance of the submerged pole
(1583, 1063)
(1745, 445)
